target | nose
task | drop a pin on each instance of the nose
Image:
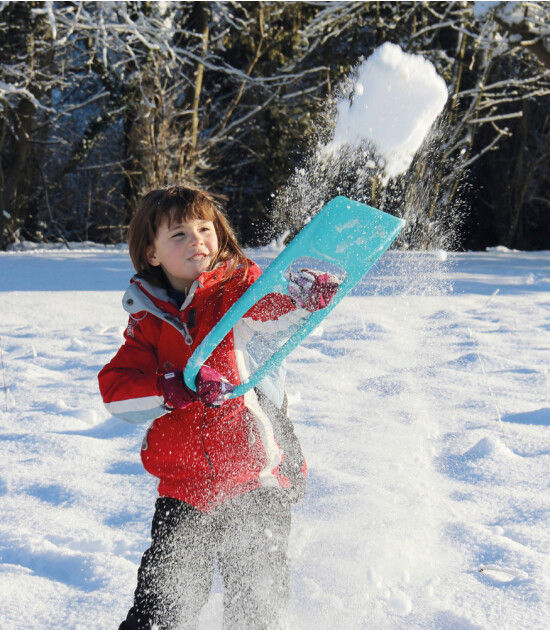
(196, 236)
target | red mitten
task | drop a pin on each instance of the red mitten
(176, 393)
(312, 290)
(212, 388)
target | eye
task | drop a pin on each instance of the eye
(178, 234)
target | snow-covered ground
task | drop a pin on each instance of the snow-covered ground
(415, 486)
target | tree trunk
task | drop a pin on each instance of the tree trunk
(518, 180)
(200, 19)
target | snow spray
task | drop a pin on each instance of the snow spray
(376, 145)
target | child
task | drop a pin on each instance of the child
(227, 469)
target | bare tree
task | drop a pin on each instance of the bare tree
(100, 101)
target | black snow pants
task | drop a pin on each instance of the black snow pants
(246, 537)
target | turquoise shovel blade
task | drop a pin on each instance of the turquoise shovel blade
(345, 233)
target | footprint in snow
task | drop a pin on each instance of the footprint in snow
(76, 344)
(399, 603)
(501, 575)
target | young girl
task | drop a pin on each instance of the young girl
(227, 469)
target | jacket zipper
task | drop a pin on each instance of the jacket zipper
(187, 334)
(189, 342)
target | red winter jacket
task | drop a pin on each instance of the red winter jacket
(201, 455)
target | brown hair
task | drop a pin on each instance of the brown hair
(177, 204)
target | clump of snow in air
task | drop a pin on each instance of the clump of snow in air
(395, 101)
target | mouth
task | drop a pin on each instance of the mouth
(198, 257)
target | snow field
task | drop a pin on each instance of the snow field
(69, 513)
(413, 488)
(498, 474)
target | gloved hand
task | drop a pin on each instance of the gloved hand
(176, 393)
(312, 290)
(212, 389)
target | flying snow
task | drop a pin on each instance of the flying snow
(394, 103)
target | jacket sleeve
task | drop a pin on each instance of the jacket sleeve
(271, 307)
(130, 383)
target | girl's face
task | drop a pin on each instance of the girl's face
(184, 250)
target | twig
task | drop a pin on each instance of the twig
(47, 200)
(488, 386)
(495, 293)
